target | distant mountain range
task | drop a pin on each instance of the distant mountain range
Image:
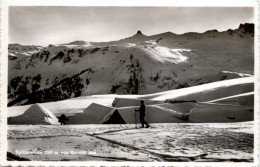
(138, 64)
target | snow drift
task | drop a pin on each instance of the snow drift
(210, 112)
(35, 114)
(158, 113)
(223, 101)
(93, 114)
(124, 102)
(207, 92)
(244, 99)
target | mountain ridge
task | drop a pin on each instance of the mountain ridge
(139, 64)
(247, 27)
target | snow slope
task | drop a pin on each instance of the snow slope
(169, 106)
(35, 114)
(208, 91)
(163, 113)
(160, 62)
(210, 112)
(226, 142)
(244, 99)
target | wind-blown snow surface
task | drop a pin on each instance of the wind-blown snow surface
(233, 142)
(178, 142)
(164, 54)
(162, 62)
(165, 62)
(207, 110)
(35, 114)
(241, 99)
(210, 91)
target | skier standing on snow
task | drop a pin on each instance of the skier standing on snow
(142, 114)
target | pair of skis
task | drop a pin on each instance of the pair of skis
(136, 122)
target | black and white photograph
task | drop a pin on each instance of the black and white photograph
(161, 84)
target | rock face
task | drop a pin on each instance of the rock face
(139, 32)
(247, 28)
(139, 64)
(78, 43)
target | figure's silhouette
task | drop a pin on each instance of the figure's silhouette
(142, 114)
(63, 119)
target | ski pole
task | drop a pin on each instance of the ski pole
(135, 121)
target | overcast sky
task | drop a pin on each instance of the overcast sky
(56, 25)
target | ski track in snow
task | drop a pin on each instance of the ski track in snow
(166, 142)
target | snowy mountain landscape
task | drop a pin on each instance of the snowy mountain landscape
(159, 63)
(198, 89)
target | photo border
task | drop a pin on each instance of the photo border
(130, 3)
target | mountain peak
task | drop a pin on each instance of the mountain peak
(247, 27)
(78, 43)
(139, 32)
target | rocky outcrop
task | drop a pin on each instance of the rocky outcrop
(247, 28)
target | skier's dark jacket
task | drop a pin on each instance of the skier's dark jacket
(142, 110)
